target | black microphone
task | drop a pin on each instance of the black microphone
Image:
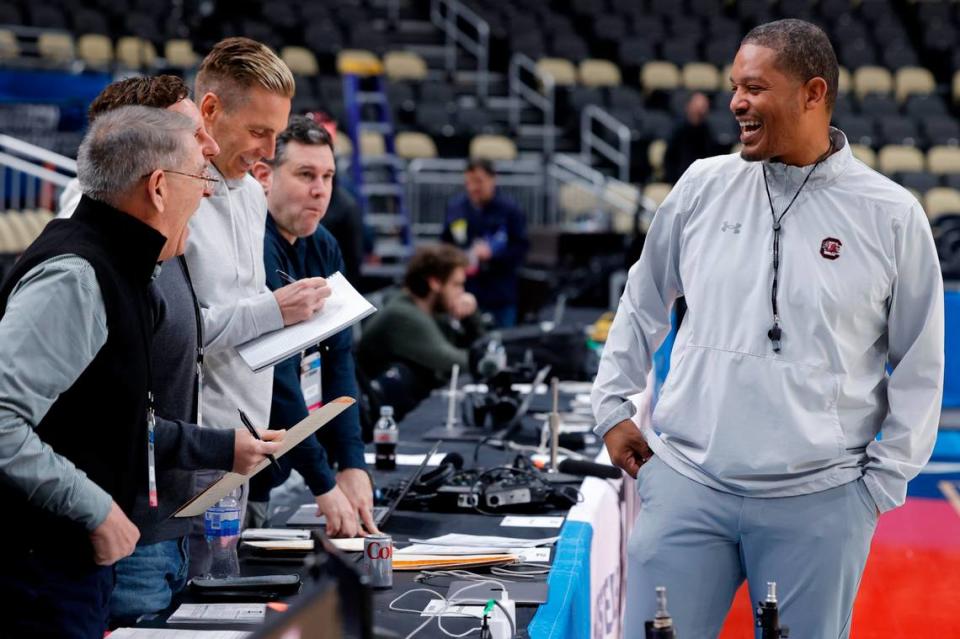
(452, 459)
(576, 441)
(591, 469)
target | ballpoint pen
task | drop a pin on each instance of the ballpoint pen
(286, 277)
(253, 431)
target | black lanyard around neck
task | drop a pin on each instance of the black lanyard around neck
(199, 320)
(776, 333)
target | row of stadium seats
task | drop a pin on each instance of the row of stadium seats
(95, 51)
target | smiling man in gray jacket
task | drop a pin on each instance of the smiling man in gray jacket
(806, 274)
(243, 90)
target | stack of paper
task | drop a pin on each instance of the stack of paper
(469, 548)
(409, 561)
(280, 545)
(457, 539)
(219, 613)
(279, 539)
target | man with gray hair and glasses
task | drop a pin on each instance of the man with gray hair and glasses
(76, 388)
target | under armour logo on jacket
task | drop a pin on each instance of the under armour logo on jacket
(732, 227)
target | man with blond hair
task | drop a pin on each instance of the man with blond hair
(243, 90)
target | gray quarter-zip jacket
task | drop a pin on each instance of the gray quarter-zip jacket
(225, 257)
(859, 289)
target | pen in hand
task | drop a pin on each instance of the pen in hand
(286, 277)
(253, 431)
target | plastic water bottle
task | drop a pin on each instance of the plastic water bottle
(222, 529)
(385, 436)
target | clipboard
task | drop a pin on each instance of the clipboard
(231, 481)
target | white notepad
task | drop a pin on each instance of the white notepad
(344, 307)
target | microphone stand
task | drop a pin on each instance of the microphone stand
(553, 475)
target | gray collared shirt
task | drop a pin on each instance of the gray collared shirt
(54, 326)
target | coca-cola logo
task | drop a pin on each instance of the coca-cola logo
(377, 550)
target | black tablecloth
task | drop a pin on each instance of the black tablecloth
(405, 524)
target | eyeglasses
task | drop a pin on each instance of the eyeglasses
(206, 178)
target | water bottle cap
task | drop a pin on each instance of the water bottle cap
(386, 411)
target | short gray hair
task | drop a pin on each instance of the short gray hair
(127, 143)
(803, 51)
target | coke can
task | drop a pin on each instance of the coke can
(378, 560)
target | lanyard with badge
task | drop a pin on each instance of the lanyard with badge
(311, 383)
(153, 494)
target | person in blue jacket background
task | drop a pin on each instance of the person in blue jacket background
(492, 230)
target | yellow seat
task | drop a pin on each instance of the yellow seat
(701, 76)
(659, 76)
(655, 153)
(493, 147)
(411, 145)
(560, 70)
(180, 54)
(372, 144)
(404, 65)
(95, 50)
(871, 79)
(913, 81)
(9, 49)
(136, 53)
(894, 158)
(599, 73)
(943, 159)
(55, 47)
(358, 62)
(301, 61)
(343, 145)
(844, 81)
(941, 200)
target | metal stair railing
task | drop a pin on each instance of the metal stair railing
(539, 94)
(591, 142)
(30, 176)
(451, 16)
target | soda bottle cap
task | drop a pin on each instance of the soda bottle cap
(386, 411)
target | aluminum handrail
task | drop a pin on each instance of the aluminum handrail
(446, 15)
(563, 165)
(541, 96)
(37, 153)
(33, 170)
(590, 142)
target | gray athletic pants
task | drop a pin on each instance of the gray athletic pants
(702, 543)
